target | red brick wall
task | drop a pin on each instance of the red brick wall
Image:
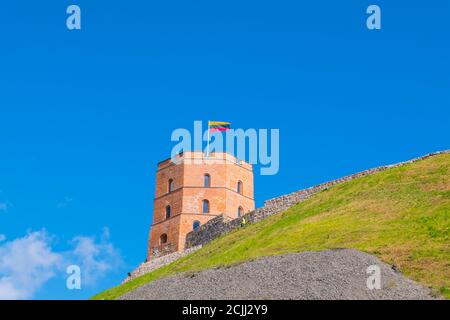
(189, 192)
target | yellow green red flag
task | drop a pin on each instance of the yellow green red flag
(219, 125)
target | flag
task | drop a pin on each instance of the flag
(218, 126)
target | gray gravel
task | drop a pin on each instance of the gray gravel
(330, 274)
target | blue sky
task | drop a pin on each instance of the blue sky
(86, 115)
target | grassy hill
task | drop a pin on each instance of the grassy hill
(401, 215)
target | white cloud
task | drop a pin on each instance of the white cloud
(95, 258)
(2, 237)
(28, 263)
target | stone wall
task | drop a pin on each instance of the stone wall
(159, 262)
(218, 226)
(162, 250)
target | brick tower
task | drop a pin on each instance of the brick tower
(192, 191)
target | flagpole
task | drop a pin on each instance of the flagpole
(207, 146)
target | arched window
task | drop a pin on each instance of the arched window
(205, 206)
(196, 225)
(168, 212)
(163, 238)
(207, 180)
(239, 187)
(240, 212)
(170, 185)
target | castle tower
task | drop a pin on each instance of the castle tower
(192, 191)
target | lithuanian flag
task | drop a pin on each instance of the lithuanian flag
(218, 125)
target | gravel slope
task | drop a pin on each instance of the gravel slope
(330, 274)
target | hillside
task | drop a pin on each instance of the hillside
(338, 274)
(401, 215)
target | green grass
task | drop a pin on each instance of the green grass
(401, 215)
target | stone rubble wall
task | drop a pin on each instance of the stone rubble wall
(159, 262)
(158, 252)
(219, 225)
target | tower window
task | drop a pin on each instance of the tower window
(239, 187)
(170, 185)
(240, 212)
(205, 206)
(207, 181)
(168, 212)
(163, 238)
(196, 225)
